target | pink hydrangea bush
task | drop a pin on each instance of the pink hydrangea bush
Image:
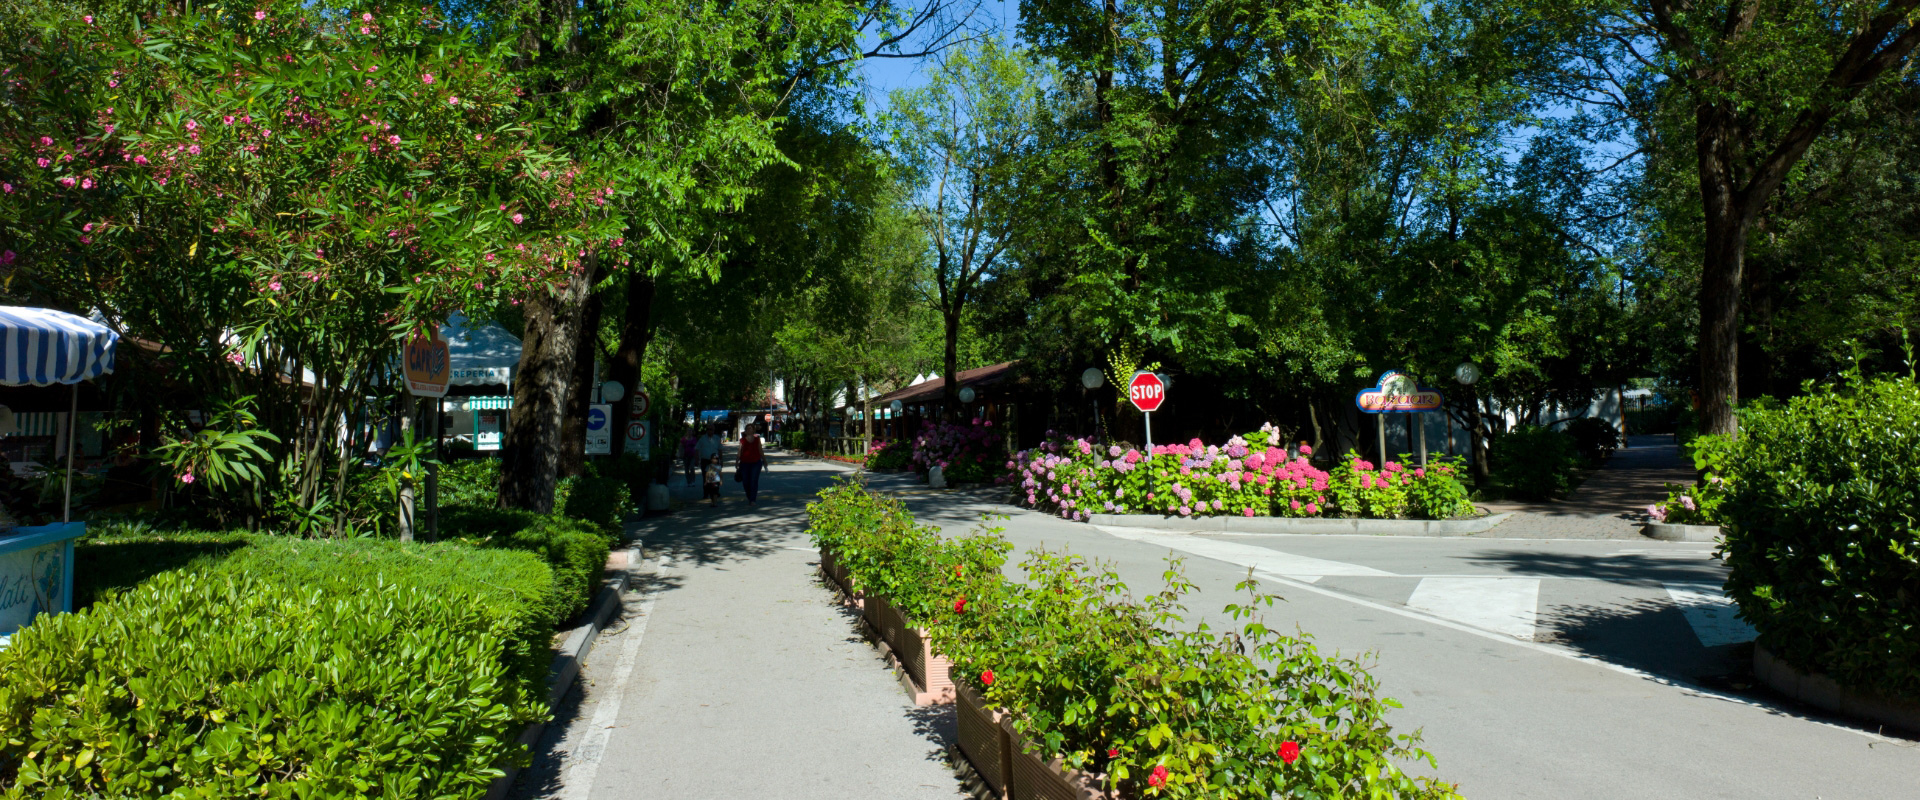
(965, 452)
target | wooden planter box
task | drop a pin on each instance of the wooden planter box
(910, 650)
(837, 576)
(983, 740)
(1032, 778)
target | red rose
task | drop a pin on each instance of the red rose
(1159, 777)
(1289, 751)
(960, 606)
(987, 677)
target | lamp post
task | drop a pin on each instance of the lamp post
(1091, 379)
(1466, 374)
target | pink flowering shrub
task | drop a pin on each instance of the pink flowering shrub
(967, 452)
(1077, 478)
(885, 454)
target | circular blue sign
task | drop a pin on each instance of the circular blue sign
(596, 419)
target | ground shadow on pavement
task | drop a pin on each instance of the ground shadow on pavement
(1627, 568)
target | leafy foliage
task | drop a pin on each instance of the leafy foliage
(1821, 542)
(1534, 463)
(290, 668)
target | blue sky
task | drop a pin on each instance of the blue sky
(887, 74)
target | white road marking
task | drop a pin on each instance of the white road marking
(1713, 616)
(1246, 555)
(586, 761)
(1550, 649)
(1501, 605)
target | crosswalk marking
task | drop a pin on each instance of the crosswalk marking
(1246, 555)
(1501, 605)
(1712, 615)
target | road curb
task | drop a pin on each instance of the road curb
(1668, 532)
(566, 663)
(1823, 692)
(1375, 527)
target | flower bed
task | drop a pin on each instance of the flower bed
(889, 455)
(1106, 695)
(965, 453)
(1077, 478)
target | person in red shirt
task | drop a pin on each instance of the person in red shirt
(752, 462)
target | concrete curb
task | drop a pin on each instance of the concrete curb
(1376, 527)
(566, 663)
(1682, 533)
(1821, 691)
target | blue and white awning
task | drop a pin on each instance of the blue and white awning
(42, 347)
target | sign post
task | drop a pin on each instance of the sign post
(428, 367)
(599, 430)
(1147, 391)
(1398, 393)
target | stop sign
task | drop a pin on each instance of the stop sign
(1147, 391)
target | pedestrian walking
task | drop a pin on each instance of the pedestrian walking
(752, 458)
(708, 448)
(710, 470)
(690, 453)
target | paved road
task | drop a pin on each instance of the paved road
(1536, 668)
(1611, 503)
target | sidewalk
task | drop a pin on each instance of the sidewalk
(734, 675)
(1611, 504)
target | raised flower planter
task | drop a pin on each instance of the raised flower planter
(837, 575)
(1668, 532)
(1033, 777)
(983, 740)
(910, 650)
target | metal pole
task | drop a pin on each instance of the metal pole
(1423, 439)
(73, 413)
(406, 486)
(1380, 420)
(433, 475)
(1149, 416)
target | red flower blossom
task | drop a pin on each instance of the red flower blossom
(987, 677)
(1159, 777)
(1289, 752)
(960, 606)
(1113, 752)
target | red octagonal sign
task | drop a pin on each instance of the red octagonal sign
(1147, 391)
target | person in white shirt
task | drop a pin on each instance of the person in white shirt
(709, 447)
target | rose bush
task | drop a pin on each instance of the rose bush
(1126, 688)
(1077, 478)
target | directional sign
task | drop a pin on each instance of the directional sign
(599, 430)
(1147, 391)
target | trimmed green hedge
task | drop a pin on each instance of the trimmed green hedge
(1532, 463)
(104, 564)
(1822, 523)
(601, 502)
(575, 550)
(289, 669)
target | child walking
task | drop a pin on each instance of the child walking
(712, 478)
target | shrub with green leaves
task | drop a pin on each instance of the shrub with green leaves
(1533, 463)
(290, 669)
(574, 549)
(1822, 544)
(600, 502)
(1123, 687)
(470, 482)
(1594, 439)
(112, 561)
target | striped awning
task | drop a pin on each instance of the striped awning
(490, 403)
(42, 347)
(37, 423)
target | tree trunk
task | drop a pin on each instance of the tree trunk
(1724, 252)
(636, 332)
(573, 429)
(950, 397)
(530, 457)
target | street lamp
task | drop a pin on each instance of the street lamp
(1090, 379)
(1466, 373)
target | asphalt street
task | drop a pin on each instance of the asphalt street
(1532, 667)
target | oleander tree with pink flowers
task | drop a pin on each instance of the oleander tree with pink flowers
(278, 189)
(1247, 476)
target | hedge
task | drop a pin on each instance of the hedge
(1125, 688)
(575, 550)
(1822, 521)
(289, 669)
